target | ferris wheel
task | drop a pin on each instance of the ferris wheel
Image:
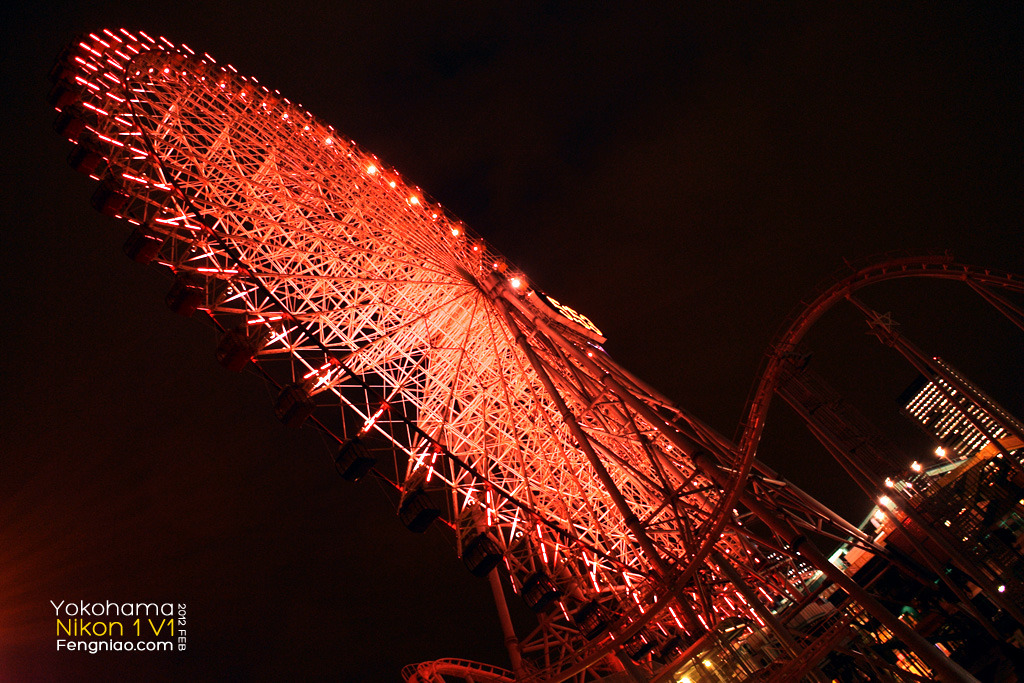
(436, 364)
(488, 406)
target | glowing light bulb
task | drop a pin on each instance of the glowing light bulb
(414, 200)
(940, 451)
(371, 169)
(516, 283)
(329, 141)
(885, 501)
(392, 183)
(889, 482)
(456, 232)
(916, 466)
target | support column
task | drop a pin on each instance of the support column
(511, 641)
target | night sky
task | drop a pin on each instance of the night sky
(684, 177)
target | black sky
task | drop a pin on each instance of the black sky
(682, 176)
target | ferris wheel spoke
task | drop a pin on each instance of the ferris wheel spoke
(615, 432)
(565, 466)
(555, 494)
(450, 383)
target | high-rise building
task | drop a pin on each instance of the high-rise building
(963, 422)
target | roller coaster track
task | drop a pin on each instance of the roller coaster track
(837, 288)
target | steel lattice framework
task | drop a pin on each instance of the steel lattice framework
(426, 354)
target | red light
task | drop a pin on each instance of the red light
(110, 140)
(373, 419)
(95, 109)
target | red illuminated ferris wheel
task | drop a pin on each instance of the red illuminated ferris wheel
(490, 407)
(433, 360)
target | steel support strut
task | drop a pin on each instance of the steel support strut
(511, 640)
(1012, 312)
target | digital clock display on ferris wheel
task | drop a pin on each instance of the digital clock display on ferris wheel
(566, 314)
